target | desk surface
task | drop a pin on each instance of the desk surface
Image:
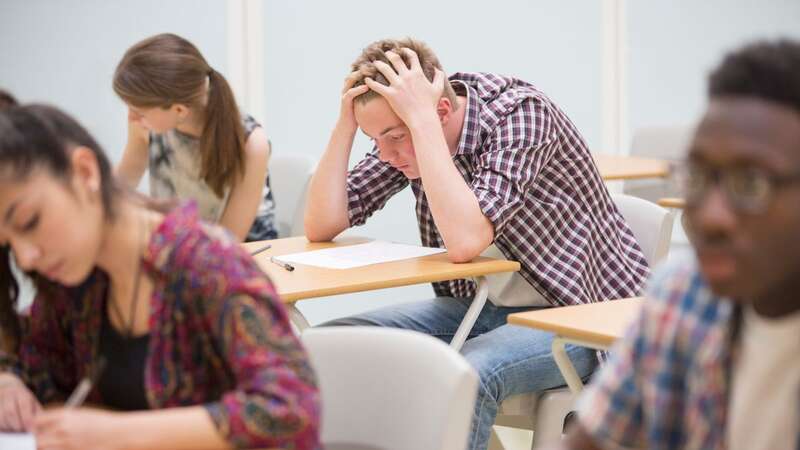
(619, 167)
(599, 323)
(309, 281)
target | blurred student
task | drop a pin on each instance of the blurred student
(712, 362)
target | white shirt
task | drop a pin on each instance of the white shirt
(765, 394)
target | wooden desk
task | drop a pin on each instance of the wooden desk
(619, 167)
(672, 202)
(312, 282)
(596, 325)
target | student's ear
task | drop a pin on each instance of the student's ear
(85, 172)
(444, 109)
(181, 111)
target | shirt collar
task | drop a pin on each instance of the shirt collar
(470, 141)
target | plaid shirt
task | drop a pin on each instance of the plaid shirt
(667, 383)
(536, 181)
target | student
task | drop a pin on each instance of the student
(199, 352)
(712, 361)
(492, 162)
(184, 125)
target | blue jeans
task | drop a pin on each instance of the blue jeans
(509, 359)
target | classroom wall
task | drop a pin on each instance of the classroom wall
(673, 45)
(65, 53)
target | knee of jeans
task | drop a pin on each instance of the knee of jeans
(490, 381)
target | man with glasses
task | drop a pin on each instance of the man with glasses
(712, 361)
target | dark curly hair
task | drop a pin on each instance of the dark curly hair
(768, 70)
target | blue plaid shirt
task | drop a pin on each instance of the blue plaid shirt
(667, 383)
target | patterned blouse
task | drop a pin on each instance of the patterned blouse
(175, 173)
(219, 337)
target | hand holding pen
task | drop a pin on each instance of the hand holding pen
(83, 389)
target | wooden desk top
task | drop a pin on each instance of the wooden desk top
(619, 167)
(599, 323)
(672, 202)
(309, 281)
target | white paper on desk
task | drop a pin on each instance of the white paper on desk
(358, 255)
(17, 441)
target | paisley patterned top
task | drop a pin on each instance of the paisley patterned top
(174, 171)
(219, 337)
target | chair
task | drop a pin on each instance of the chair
(289, 176)
(662, 142)
(545, 412)
(391, 389)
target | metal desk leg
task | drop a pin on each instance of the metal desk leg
(565, 365)
(297, 318)
(481, 294)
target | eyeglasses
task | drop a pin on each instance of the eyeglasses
(748, 189)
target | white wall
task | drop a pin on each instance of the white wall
(65, 52)
(673, 46)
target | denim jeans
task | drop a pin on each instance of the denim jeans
(509, 359)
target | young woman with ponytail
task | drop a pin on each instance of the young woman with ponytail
(185, 127)
(198, 349)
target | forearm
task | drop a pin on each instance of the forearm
(326, 209)
(130, 172)
(173, 429)
(239, 223)
(461, 223)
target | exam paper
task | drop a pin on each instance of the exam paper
(17, 441)
(358, 255)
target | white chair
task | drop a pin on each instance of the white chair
(662, 142)
(391, 389)
(545, 412)
(289, 177)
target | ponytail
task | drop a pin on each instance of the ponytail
(166, 69)
(222, 143)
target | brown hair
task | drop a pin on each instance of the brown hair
(41, 137)
(376, 51)
(166, 69)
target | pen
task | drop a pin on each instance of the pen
(286, 266)
(85, 386)
(260, 249)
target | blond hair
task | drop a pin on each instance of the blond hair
(365, 65)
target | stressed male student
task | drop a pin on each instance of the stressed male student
(495, 166)
(712, 361)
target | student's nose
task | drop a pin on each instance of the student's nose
(712, 213)
(26, 254)
(386, 154)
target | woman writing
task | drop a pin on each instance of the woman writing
(197, 346)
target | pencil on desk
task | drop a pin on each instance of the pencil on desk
(260, 249)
